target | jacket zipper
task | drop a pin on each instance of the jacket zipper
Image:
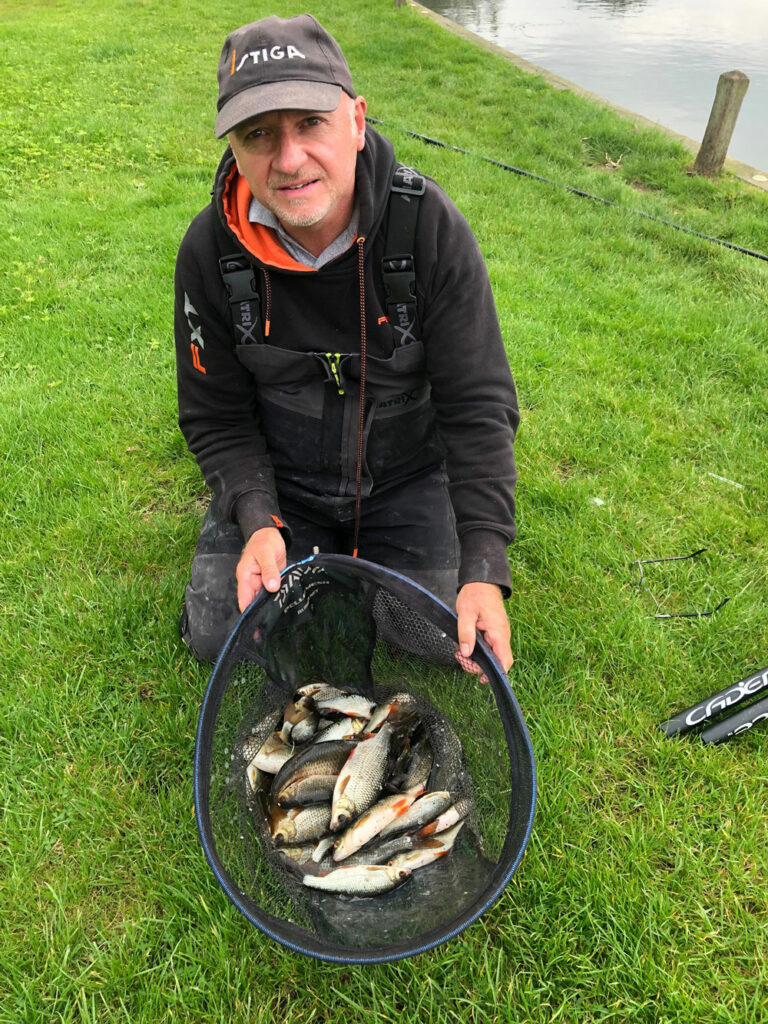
(361, 417)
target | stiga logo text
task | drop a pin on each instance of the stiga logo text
(265, 55)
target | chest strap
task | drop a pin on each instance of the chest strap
(398, 268)
(238, 275)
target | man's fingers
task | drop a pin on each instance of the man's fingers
(260, 564)
(498, 640)
(480, 607)
(270, 574)
(246, 591)
(466, 634)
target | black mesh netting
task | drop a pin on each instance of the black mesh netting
(348, 624)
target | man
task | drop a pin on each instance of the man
(320, 414)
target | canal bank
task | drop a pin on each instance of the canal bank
(751, 175)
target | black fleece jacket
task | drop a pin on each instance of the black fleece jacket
(467, 375)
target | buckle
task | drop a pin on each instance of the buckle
(238, 276)
(408, 181)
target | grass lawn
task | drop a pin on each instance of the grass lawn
(642, 367)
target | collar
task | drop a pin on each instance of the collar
(259, 214)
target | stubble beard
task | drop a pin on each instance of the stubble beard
(296, 217)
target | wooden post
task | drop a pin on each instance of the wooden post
(401, 3)
(731, 89)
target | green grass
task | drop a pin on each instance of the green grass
(640, 358)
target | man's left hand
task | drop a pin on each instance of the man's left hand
(480, 606)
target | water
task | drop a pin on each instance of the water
(658, 58)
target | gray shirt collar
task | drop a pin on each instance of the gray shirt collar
(259, 214)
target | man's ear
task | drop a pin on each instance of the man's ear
(359, 114)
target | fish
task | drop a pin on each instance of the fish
(410, 734)
(391, 710)
(361, 777)
(427, 851)
(346, 728)
(381, 853)
(299, 824)
(319, 691)
(380, 714)
(322, 847)
(297, 854)
(304, 730)
(311, 789)
(317, 759)
(456, 812)
(293, 714)
(421, 811)
(419, 765)
(255, 777)
(371, 823)
(349, 704)
(258, 734)
(363, 880)
(345, 787)
(272, 754)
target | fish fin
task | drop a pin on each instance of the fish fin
(418, 790)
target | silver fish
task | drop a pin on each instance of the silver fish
(428, 851)
(299, 825)
(419, 765)
(297, 854)
(380, 714)
(258, 734)
(294, 713)
(317, 759)
(345, 729)
(349, 704)
(319, 691)
(421, 811)
(272, 754)
(305, 729)
(255, 777)
(363, 880)
(456, 812)
(391, 710)
(361, 778)
(381, 853)
(371, 824)
(310, 789)
(322, 847)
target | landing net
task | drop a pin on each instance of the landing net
(343, 624)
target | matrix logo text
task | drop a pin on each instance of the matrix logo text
(265, 55)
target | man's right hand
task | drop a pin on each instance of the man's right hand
(260, 565)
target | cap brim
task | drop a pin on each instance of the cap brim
(290, 95)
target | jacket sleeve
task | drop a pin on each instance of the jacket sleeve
(472, 388)
(216, 394)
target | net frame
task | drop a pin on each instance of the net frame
(522, 772)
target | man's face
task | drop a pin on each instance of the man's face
(301, 165)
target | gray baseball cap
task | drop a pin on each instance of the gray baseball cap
(279, 64)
